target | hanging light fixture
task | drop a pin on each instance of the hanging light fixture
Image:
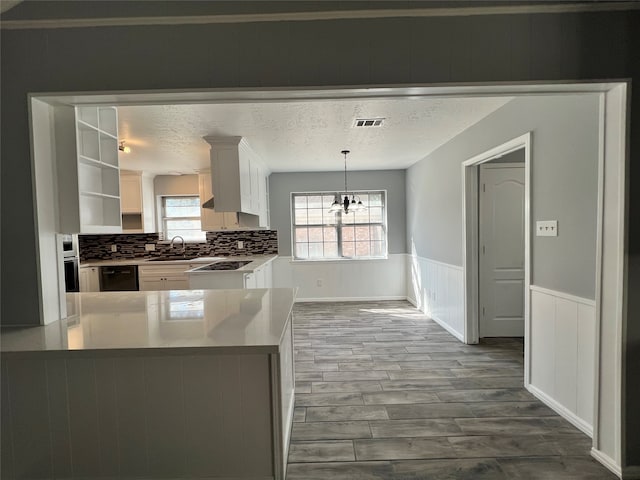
(347, 205)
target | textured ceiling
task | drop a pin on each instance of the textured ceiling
(298, 136)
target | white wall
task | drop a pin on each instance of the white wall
(382, 279)
(437, 289)
(563, 329)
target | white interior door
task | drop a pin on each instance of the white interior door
(501, 250)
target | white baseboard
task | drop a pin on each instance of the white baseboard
(350, 299)
(561, 410)
(448, 328)
(631, 473)
(607, 461)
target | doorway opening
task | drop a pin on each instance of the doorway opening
(495, 286)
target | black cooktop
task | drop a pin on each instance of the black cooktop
(227, 265)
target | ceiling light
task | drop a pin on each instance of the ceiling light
(347, 205)
(123, 148)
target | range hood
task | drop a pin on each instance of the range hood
(208, 204)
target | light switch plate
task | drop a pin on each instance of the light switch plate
(150, 247)
(547, 228)
(240, 245)
(114, 248)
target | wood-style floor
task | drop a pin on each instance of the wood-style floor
(383, 392)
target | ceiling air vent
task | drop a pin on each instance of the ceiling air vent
(368, 122)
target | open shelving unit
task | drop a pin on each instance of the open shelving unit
(88, 161)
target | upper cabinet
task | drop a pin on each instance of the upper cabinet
(87, 168)
(238, 178)
(210, 218)
(137, 202)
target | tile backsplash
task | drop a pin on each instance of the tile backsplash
(256, 242)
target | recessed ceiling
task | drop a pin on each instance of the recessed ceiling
(298, 136)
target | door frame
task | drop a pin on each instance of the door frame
(492, 166)
(470, 234)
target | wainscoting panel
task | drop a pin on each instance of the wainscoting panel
(562, 354)
(343, 279)
(71, 415)
(437, 289)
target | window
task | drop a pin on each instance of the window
(318, 234)
(181, 216)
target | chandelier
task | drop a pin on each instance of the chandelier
(347, 205)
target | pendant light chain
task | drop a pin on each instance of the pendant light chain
(345, 205)
(345, 152)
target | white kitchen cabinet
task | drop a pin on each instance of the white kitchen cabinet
(263, 207)
(176, 282)
(238, 176)
(89, 278)
(130, 192)
(137, 202)
(211, 219)
(151, 284)
(164, 277)
(88, 169)
(250, 280)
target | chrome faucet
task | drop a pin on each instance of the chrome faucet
(184, 248)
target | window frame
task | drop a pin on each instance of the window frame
(338, 225)
(163, 218)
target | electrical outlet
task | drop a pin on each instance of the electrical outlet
(114, 248)
(150, 247)
(319, 282)
(240, 245)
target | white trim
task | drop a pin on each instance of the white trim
(470, 240)
(437, 262)
(598, 289)
(566, 296)
(351, 299)
(561, 410)
(444, 325)
(448, 328)
(607, 461)
(614, 288)
(315, 16)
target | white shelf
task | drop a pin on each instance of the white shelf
(88, 127)
(101, 195)
(97, 169)
(95, 163)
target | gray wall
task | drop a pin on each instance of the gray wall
(486, 48)
(176, 185)
(564, 172)
(282, 184)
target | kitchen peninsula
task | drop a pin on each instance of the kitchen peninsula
(179, 384)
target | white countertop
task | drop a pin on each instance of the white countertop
(249, 321)
(256, 262)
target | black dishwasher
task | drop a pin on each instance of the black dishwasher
(120, 278)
